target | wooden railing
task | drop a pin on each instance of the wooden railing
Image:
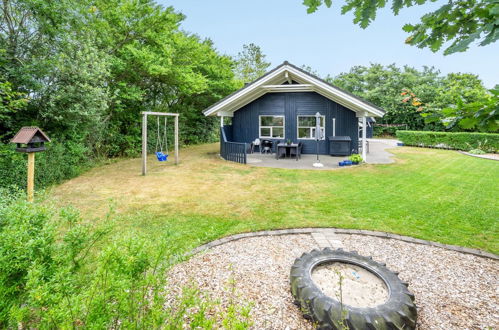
(232, 151)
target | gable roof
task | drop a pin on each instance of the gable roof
(26, 134)
(273, 81)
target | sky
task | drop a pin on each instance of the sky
(326, 41)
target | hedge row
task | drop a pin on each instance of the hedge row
(61, 161)
(487, 142)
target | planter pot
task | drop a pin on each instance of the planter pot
(355, 163)
(347, 162)
(341, 163)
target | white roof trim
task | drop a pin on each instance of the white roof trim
(272, 82)
(288, 88)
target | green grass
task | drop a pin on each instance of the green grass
(431, 194)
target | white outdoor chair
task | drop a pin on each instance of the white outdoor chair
(256, 143)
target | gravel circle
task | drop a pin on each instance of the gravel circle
(453, 290)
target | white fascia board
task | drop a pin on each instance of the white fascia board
(247, 91)
(288, 88)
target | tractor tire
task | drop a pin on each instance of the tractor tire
(397, 312)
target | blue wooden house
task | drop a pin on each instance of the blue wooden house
(282, 105)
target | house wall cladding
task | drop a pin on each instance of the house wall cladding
(245, 123)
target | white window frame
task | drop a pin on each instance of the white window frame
(312, 128)
(271, 127)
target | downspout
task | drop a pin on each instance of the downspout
(364, 133)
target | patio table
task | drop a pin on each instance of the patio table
(287, 149)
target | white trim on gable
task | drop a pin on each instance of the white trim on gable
(272, 82)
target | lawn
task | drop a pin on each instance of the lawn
(432, 194)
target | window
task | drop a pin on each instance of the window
(272, 127)
(306, 127)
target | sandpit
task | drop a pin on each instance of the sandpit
(350, 284)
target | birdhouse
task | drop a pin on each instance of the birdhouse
(30, 139)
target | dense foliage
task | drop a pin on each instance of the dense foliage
(459, 22)
(478, 111)
(407, 93)
(83, 70)
(53, 277)
(487, 142)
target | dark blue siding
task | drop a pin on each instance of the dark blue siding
(246, 120)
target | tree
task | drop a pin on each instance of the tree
(459, 22)
(383, 86)
(10, 102)
(309, 69)
(157, 67)
(47, 54)
(250, 63)
(463, 103)
(85, 69)
(481, 115)
(422, 99)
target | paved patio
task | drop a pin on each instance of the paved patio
(378, 154)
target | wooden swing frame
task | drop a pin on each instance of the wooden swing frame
(144, 136)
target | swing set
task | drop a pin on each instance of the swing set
(161, 150)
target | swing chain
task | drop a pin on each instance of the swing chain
(159, 140)
(166, 138)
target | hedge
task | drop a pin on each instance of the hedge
(487, 142)
(61, 161)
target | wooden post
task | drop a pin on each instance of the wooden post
(176, 140)
(144, 144)
(31, 175)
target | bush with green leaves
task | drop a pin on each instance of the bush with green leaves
(380, 131)
(488, 142)
(61, 272)
(356, 158)
(61, 161)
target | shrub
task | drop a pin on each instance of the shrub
(52, 276)
(61, 161)
(488, 142)
(385, 130)
(356, 158)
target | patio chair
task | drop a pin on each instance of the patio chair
(256, 143)
(280, 152)
(296, 152)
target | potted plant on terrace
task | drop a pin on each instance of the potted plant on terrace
(355, 159)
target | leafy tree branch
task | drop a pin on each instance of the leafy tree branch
(459, 23)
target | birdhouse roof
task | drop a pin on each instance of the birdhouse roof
(26, 134)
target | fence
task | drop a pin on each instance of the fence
(232, 151)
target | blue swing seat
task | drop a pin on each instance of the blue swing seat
(162, 157)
